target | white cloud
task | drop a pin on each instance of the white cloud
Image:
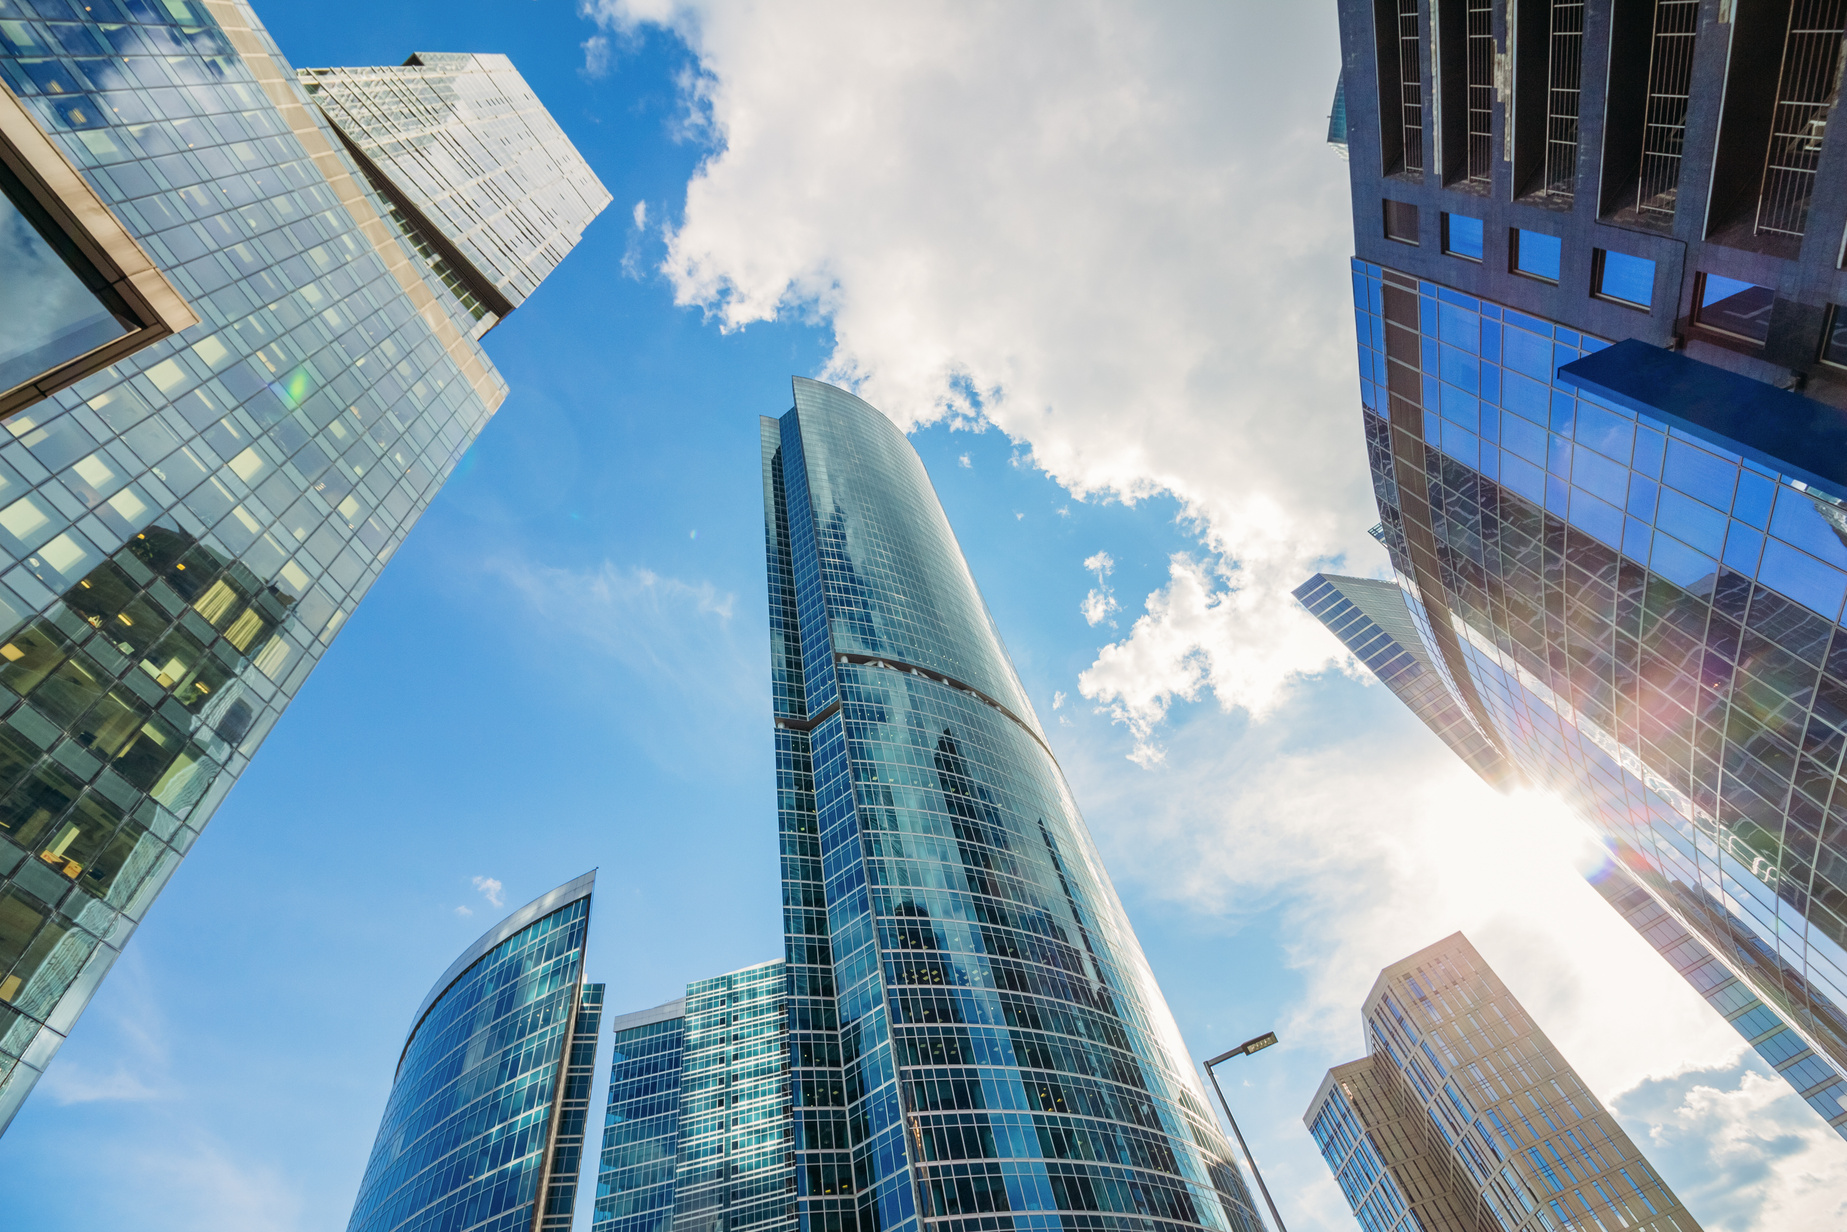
(640, 214)
(1064, 220)
(963, 462)
(491, 891)
(1100, 604)
(464, 911)
(596, 56)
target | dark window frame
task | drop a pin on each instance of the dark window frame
(1513, 257)
(1463, 256)
(1415, 238)
(1836, 319)
(1597, 258)
(1698, 321)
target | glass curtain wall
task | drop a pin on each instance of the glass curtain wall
(975, 1033)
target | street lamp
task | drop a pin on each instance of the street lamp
(1244, 1050)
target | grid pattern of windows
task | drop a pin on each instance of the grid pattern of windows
(1564, 73)
(464, 1138)
(732, 1169)
(183, 533)
(969, 1012)
(467, 139)
(641, 1127)
(1354, 1156)
(1808, 85)
(567, 1148)
(1647, 621)
(1488, 1093)
(1819, 1083)
(1670, 83)
(1411, 84)
(1371, 620)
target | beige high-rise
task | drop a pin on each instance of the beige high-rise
(1463, 1116)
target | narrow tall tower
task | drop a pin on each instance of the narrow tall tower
(973, 1028)
(485, 1124)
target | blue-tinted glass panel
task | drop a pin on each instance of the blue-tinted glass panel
(1462, 236)
(1537, 254)
(1626, 278)
(1834, 342)
(50, 316)
(1741, 309)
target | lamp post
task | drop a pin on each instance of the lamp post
(1244, 1050)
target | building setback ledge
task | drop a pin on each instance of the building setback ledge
(1798, 436)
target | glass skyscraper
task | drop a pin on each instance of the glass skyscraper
(975, 1037)
(240, 357)
(697, 1133)
(487, 1112)
(1602, 328)
(1464, 1117)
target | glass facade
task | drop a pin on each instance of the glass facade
(183, 533)
(698, 1129)
(471, 146)
(492, 1088)
(976, 1038)
(1464, 1116)
(641, 1128)
(1639, 617)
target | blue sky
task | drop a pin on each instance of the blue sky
(1117, 324)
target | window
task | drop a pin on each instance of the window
(1728, 306)
(76, 292)
(1462, 236)
(1536, 255)
(1834, 339)
(1401, 222)
(1623, 278)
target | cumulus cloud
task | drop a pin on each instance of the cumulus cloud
(596, 56)
(1100, 604)
(491, 890)
(1064, 221)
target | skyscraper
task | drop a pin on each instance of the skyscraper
(976, 1039)
(1463, 1116)
(698, 1130)
(1371, 618)
(1603, 361)
(239, 360)
(487, 1111)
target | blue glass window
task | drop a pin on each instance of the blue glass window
(51, 316)
(1462, 236)
(1741, 309)
(1626, 279)
(1536, 254)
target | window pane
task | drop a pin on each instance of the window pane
(1401, 222)
(50, 316)
(1462, 236)
(1834, 346)
(1733, 307)
(1537, 254)
(1629, 279)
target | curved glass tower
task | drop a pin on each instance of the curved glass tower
(976, 1040)
(488, 1106)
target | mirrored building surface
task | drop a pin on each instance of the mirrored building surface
(487, 1111)
(1463, 1117)
(247, 376)
(1602, 390)
(698, 1129)
(975, 1034)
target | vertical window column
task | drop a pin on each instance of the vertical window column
(1411, 84)
(1564, 71)
(1481, 91)
(1808, 85)
(1670, 82)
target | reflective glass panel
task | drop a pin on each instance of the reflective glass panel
(1740, 309)
(1834, 343)
(1536, 254)
(51, 317)
(1626, 278)
(1401, 222)
(1462, 236)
